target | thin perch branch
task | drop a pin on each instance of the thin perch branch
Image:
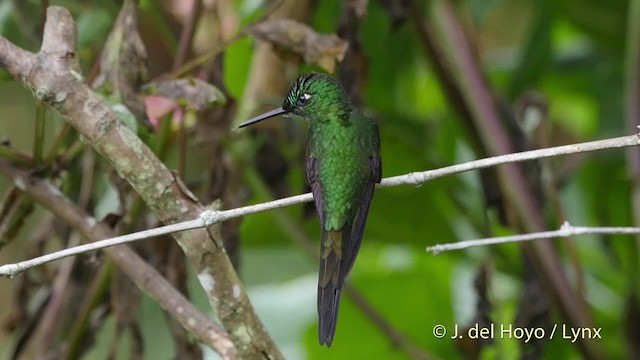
(12, 270)
(565, 230)
(209, 217)
(422, 177)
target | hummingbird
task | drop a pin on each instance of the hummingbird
(343, 164)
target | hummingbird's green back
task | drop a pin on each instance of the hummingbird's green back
(342, 151)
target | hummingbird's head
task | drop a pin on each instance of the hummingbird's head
(316, 94)
(312, 96)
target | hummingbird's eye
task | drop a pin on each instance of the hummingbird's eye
(303, 99)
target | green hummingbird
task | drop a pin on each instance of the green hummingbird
(343, 165)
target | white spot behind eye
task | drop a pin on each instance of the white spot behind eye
(303, 99)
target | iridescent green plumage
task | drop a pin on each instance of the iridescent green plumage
(343, 165)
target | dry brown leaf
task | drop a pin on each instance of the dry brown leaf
(324, 50)
(194, 93)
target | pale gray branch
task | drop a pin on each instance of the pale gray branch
(565, 230)
(424, 176)
(12, 270)
(210, 217)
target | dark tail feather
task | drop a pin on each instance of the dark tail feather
(328, 303)
(330, 281)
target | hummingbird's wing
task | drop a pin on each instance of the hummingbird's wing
(375, 176)
(315, 186)
(357, 230)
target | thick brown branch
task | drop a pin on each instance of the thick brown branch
(53, 76)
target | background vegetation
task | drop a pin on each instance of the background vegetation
(447, 81)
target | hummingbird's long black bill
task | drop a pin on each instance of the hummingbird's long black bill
(265, 116)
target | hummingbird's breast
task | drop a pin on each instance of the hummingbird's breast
(342, 170)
